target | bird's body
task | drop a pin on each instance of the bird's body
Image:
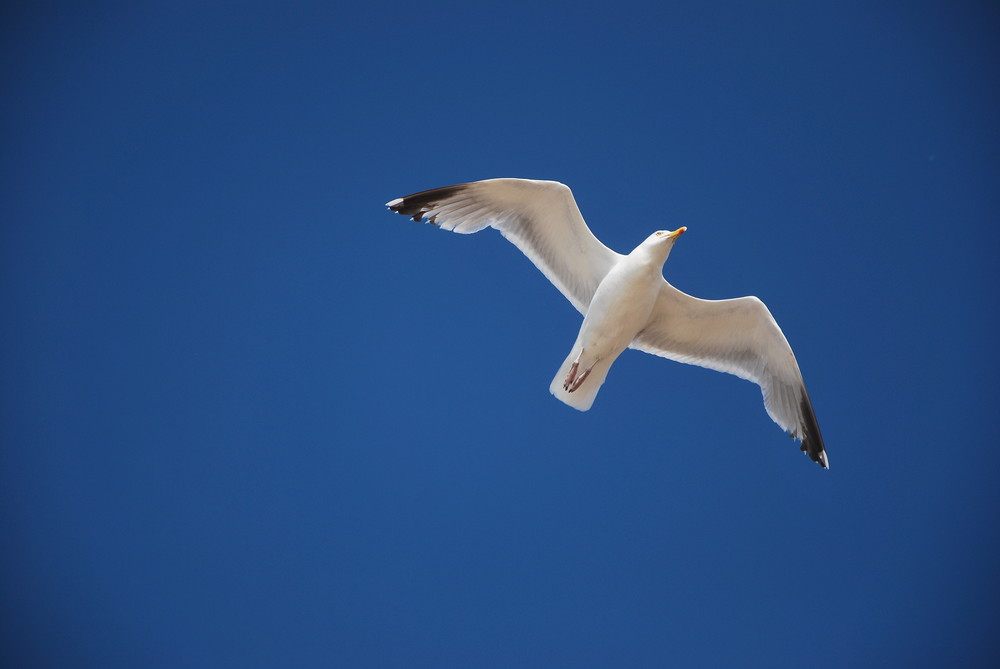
(625, 300)
(619, 310)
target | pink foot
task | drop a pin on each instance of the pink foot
(579, 381)
(572, 375)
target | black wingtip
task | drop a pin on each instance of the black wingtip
(418, 204)
(812, 440)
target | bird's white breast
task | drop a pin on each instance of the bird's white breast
(621, 306)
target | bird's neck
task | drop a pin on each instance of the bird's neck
(652, 257)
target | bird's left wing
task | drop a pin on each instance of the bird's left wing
(539, 217)
(737, 336)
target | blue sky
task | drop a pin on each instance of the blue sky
(250, 418)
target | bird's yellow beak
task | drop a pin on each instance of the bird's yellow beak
(678, 232)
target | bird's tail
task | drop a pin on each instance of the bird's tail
(583, 397)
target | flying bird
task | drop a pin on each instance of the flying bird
(624, 299)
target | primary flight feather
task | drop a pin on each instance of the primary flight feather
(625, 301)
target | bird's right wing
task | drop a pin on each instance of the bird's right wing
(539, 217)
(737, 336)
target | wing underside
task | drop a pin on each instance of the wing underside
(740, 337)
(541, 218)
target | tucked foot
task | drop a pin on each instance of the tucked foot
(579, 380)
(572, 373)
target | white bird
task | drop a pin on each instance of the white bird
(625, 301)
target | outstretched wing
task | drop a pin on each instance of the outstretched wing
(740, 337)
(539, 217)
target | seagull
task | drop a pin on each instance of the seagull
(624, 299)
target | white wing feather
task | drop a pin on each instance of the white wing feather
(539, 217)
(737, 336)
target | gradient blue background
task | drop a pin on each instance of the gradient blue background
(250, 418)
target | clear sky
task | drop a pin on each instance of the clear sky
(251, 418)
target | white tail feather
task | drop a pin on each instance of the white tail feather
(583, 397)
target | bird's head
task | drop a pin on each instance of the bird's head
(660, 242)
(666, 236)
